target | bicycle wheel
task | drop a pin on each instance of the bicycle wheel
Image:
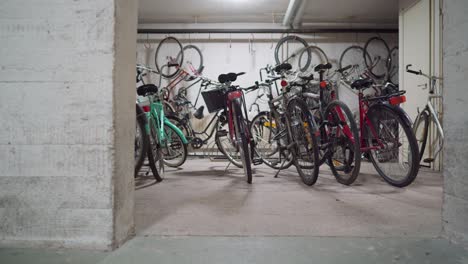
(393, 60)
(141, 139)
(302, 133)
(225, 146)
(269, 135)
(290, 49)
(193, 59)
(317, 55)
(242, 138)
(353, 55)
(420, 129)
(344, 146)
(377, 62)
(167, 55)
(397, 158)
(174, 151)
(155, 156)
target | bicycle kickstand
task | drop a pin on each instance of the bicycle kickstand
(277, 172)
(225, 169)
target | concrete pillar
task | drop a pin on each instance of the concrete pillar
(455, 61)
(67, 122)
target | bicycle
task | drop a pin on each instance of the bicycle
(216, 126)
(385, 132)
(337, 130)
(165, 137)
(425, 117)
(284, 135)
(230, 98)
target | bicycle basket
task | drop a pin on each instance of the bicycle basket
(214, 99)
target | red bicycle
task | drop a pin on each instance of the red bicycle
(386, 134)
(230, 98)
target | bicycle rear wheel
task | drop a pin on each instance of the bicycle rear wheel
(193, 59)
(344, 146)
(302, 132)
(169, 51)
(290, 50)
(270, 136)
(141, 139)
(398, 160)
(174, 151)
(420, 129)
(242, 138)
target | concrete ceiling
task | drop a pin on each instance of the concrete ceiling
(263, 11)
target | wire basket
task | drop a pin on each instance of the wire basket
(215, 99)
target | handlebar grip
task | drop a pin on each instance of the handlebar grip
(240, 73)
(414, 72)
(172, 64)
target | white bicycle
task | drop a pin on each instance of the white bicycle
(428, 115)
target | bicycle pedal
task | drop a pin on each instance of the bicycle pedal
(428, 160)
(257, 161)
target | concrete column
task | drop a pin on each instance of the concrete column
(455, 61)
(66, 122)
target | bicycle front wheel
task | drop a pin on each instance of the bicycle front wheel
(394, 150)
(302, 133)
(242, 138)
(168, 53)
(291, 49)
(344, 146)
(155, 156)
(420, 129)
(141, 139)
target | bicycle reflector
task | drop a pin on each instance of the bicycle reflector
(284, 83)
(146, 108)
(397, 100)
(323, 84)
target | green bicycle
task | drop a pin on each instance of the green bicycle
(167, 142)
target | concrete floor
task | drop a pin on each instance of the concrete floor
(199, 214)
(201, 199)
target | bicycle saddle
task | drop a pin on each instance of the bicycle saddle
(146, 89)
(198, 114)
(283, 67)
(229, 77)
(307, 78)
(322, 67)
(362, 83)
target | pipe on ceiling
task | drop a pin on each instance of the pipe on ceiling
(291, 12)
(265, 30)
(297, 21)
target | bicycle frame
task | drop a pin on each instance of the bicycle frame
(157, 114)
(363, 121)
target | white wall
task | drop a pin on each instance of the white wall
(231, 53)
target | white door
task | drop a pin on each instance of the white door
(415, 41)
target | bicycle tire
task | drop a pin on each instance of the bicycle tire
(370, 61)
(323, 58)
(155, 158)
(143, 139)
(353, 55)
(200, 67)
(242, 133)
(179, 59)
(174, 163)
(259, 122)
(393, 73)
(221, 133)
(350, 158)
(422, 122)
(308, 171)
(181, 124)
(279, 47)
(380, 158)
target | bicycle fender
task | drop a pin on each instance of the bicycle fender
(395, 108)
(176, 129)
